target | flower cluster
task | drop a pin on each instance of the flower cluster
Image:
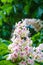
(22, 48)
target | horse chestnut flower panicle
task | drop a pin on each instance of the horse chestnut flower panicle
(22, 48)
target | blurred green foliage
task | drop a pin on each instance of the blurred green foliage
(37, 38)
(6, 62)
(4, 48)
(11, 11)
(38, 63)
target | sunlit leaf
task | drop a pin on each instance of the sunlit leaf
(5, 1)
(6, 62)
(6, 8)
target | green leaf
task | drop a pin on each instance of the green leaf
(9, 1)
(3, 49)
(6, 8)
(6, 42)
(6, 62)
(36, 64)
(1, 22)
(38, 12)
(1, 15)
(4, 1)
(37, 38)
(27, 7)
(38, 1)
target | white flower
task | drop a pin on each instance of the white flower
(30, 61)
(22, 63)
(9, 57)
(21, 46)
(41, 46)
